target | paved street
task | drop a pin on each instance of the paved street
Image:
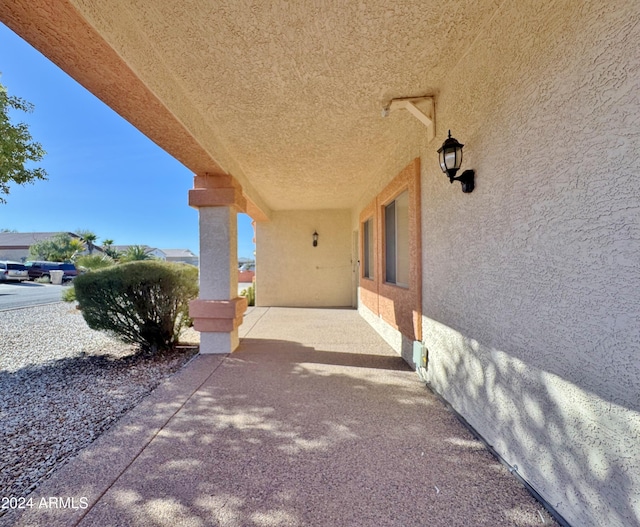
(13, 295)
(25, 294)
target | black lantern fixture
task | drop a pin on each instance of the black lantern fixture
(450, 160)
(315, 239)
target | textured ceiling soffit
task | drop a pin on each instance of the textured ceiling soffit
(290, 95)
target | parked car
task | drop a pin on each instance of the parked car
(43, 270)
(13, 272)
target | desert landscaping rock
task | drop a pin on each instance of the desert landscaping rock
(62, 385)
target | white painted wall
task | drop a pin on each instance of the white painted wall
(291, 272)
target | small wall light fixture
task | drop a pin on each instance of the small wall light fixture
(450, 160)
(315, 239)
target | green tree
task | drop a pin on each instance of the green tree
(17, 147)
(75, 245)
(88, 237)
(109, 250)
(136, 253)
(62, 247)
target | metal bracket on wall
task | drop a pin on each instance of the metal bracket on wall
(422, 108)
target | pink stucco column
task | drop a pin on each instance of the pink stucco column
(218, 311)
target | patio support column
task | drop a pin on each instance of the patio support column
(218, 311)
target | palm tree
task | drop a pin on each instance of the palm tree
(109, 250)
(76, 247)
(136, 252)
(89, 237)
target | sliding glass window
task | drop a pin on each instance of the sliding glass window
(367, 238)
(396, 232)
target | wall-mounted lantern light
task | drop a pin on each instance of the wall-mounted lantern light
(315, 239)
(450, 160)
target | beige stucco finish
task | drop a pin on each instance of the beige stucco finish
(531, 291)
(290, 271)
(530, 284)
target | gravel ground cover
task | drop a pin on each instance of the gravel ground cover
(61, 385)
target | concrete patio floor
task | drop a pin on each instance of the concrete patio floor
(314, 421)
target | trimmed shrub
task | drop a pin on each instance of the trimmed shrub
(144, 302)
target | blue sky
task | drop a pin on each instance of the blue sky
(104, 175)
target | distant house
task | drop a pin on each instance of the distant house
(170, 255)
(15, 245)
(246, 270)
(156, 253)
(181, 255)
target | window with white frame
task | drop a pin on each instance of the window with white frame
(396, 236)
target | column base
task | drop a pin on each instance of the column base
(217, 315)
(217, 321)
(219, 343)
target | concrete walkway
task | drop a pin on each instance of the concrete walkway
(314, 421)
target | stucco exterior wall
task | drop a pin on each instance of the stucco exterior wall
(531, 284)
(16, 255)
(290, 271)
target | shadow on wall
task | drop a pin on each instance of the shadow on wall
(283, 434)
(576, 448)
